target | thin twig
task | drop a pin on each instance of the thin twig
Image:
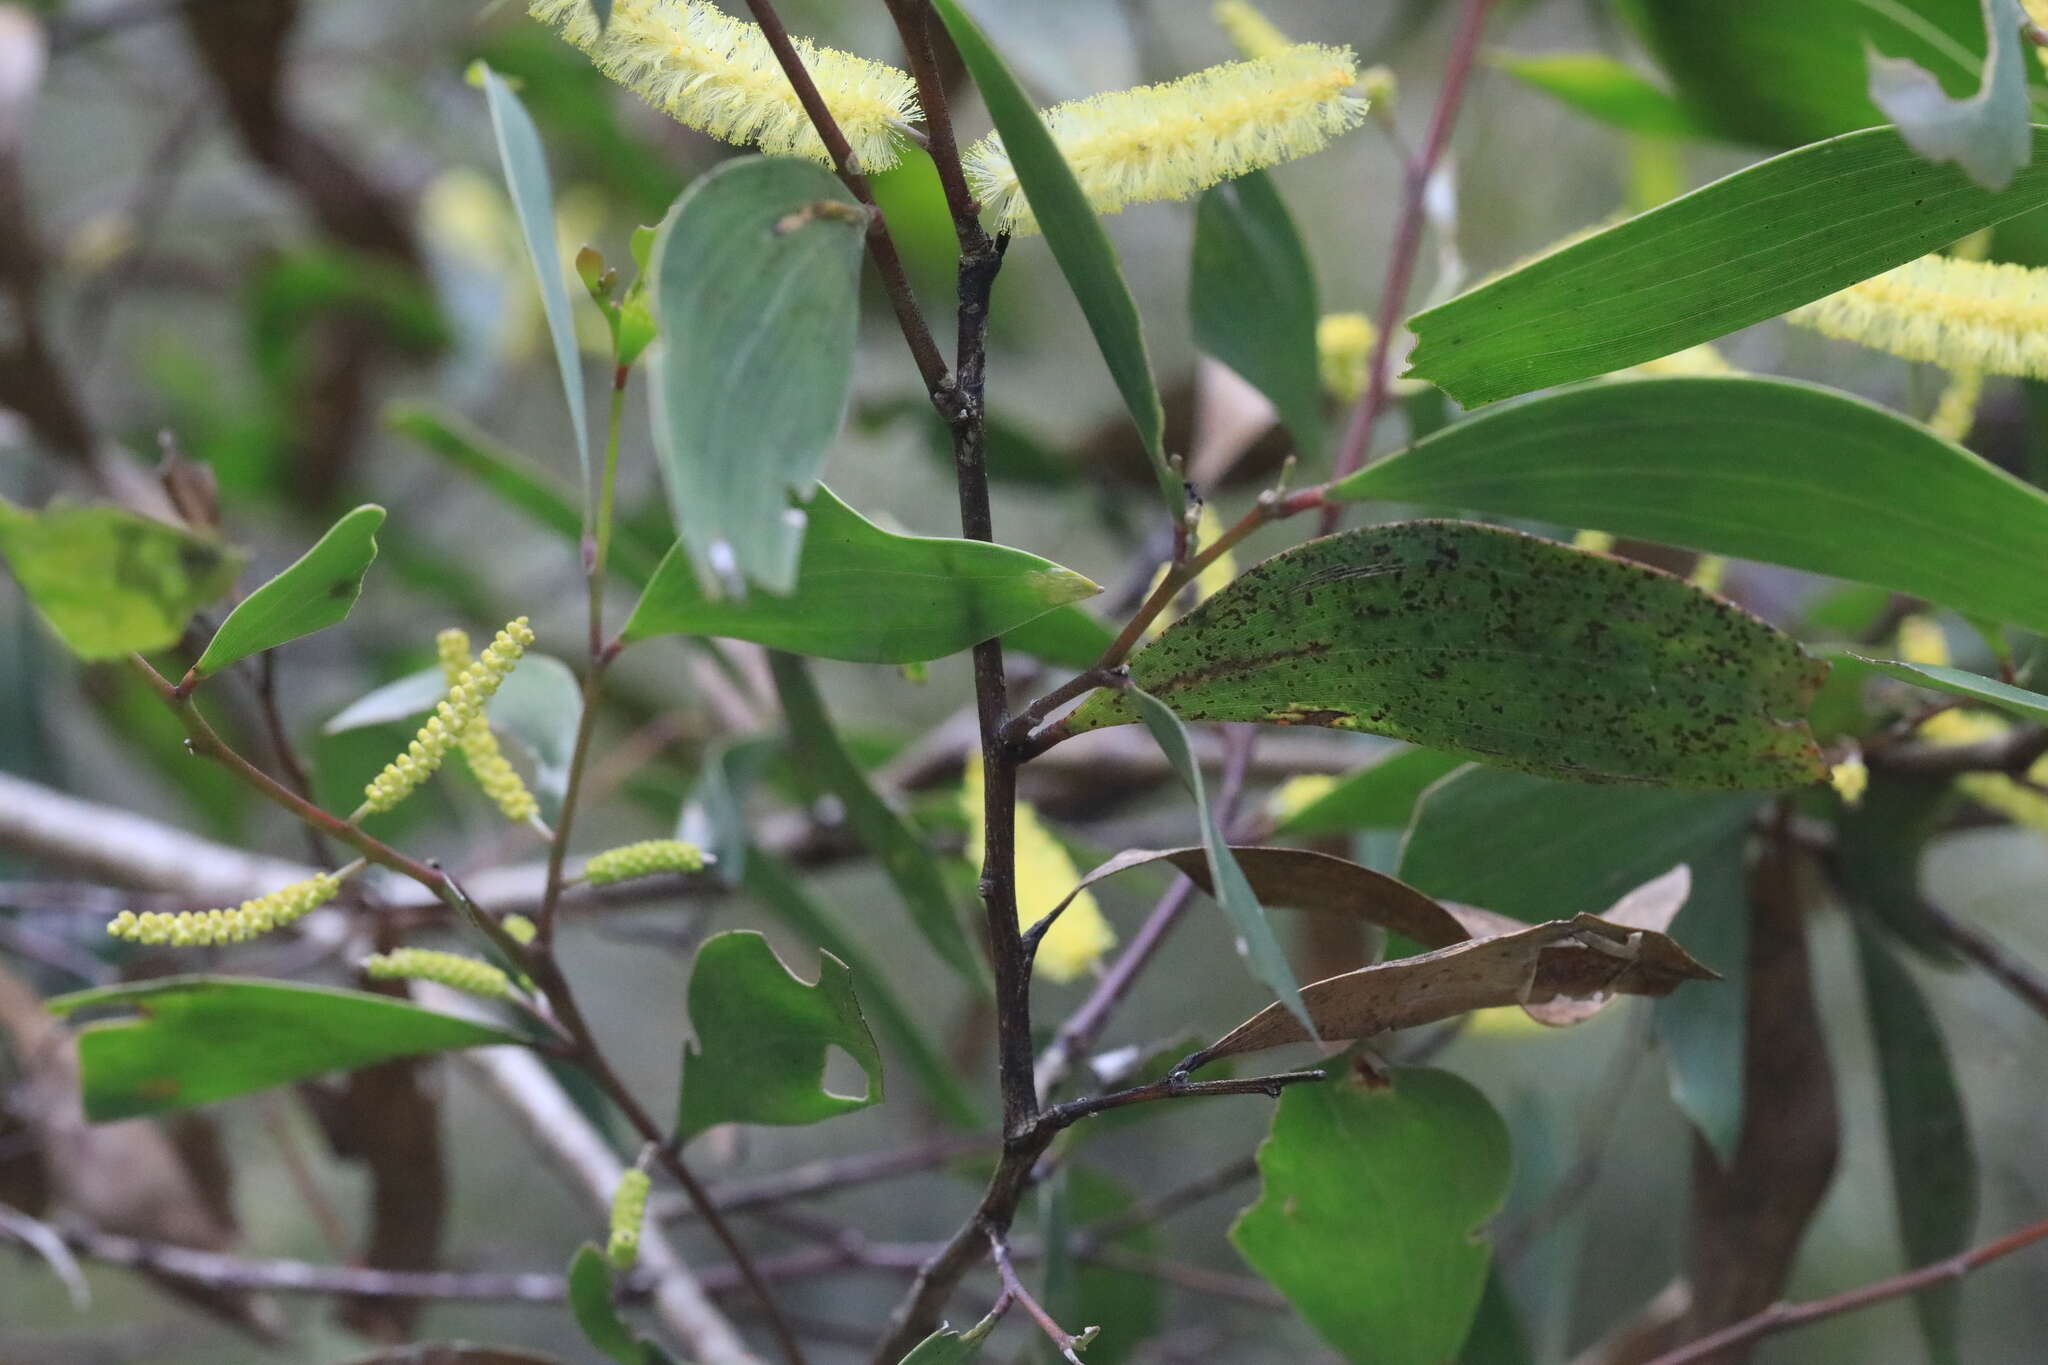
(1063, 1341)
(2000, 962)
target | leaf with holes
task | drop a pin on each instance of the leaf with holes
(1987, 133)
(316, 592)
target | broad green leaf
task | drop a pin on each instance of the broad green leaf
(1257, 944)
(1252, 299)
(1748, 247)
(1370, 1215)
(1076, 238)
(110, 582)
(1934, 1166)
(865, 594)
(824, 761)
(197, 1039)
(316, 592)
(1381, 795)
(1066, 637)
(1987, 133)
(1497, 1336)
(533, 200)
(1788, 473)
(762, 1037)
(756, 285)
(2014, 701)
(1597, 85)
(1493, 645)
(591, 1303)
(952, 1348)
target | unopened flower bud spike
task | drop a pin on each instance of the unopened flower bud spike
(262, 915)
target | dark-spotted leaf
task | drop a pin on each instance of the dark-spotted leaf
(1749, 247)
(1497, 646)
(111, 582)
(1986, 133)
(1252, 299)
(316, 592)
(1074, 234)
(866, 595)
(1787, 473)
(1371, 1211)
(2014, 701)
(762, 1037)
(756, 285)
(1601, 87)
(196, 1039)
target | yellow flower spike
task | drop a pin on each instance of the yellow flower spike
(1956, 412)
(647, 858)
(1923, 641)
(203, 928)
(1958, 314)
(1344, 349)
(1250, 32)
(629, 1212)
(1174, 140)
(486, 761)
(519, 928)
(1297, 794)
(1850, 779)
(452, 717)
(717, 74)
(1597, 542)
(465, 974)
(1045, 873)
(1703, 359)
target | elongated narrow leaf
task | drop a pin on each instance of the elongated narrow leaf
(1879, 847)
(865, 594)
(533, 200)
(1075, 236)
(1788, 473)
(823, 759)
(1379, 796)
(197, 1039)
(756, 285)
(1598, 85)
(316, 592)
(1252, 298)
(762, 1037)
(110, 582)
(1766, 239)
(1986, 134)
(2014, 701)
(1256, 942)
(1934, 1166)
(1497, 646)
(1373, 1197)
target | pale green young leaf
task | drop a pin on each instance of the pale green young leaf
(316, 592)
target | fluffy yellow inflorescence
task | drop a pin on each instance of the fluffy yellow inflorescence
(199, 928)
(487, 762)
(717, 74)
(452, 716)
(1174, 140)
(1045, 872)
(1250, 32)
(629, 1212)
(644, 859)
(465, 974)
(1344, 349)
(1959, 314)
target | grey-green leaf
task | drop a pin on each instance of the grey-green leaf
(316, 592)
(1764, 469)
(1075, 236)
(1985, 134)
(762, 1037)
(1748, 247)
(1252, 299)
(1497, 646)
(2014, 701)
(1381, 795)
(866, 595)
(533, 200)
(756, 288)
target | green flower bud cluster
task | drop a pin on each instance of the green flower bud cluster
(452, 716)
(487, 762)
(643, 859)
(200, 928)
(465, 974)
(519, 928)
(629, 1211)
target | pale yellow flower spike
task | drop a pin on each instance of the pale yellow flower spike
(465, 974)
(487, 762)
(1344, 349)
(452, 717)
(647, 858)
(1081, 935)
(714, 73)
(1174, 140)
(1251, 32)
(1960, 315)
(1956, 412)
(202, 928)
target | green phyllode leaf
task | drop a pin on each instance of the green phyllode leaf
(1985, 134)
(1763, 469)
(197, 1039)
(1748, 247)
(755, 279)
(1368, 1220)
(110, 582)
(1497, 646)
(1076, 238)
(2014, 701)
(316, 592)
(1601, 87)
(1252, 299)
(762, 1038)
(866, 595)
